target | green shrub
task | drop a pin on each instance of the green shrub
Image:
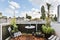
(15, 27)
(47, 30)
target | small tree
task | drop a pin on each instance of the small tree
(55, 18)
(48, 19)
(28, 17)
(48, 8)
(43, 13)
(0, 15)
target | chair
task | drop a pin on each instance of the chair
(57, 38)
(50, 37)
(9, 29)
(54, 38)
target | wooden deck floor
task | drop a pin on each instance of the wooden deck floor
(27, 38)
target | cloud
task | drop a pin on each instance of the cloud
(10, 6)
(14, 4)
(54, 4)
(8, 10)
(41, 2)
(38, 2)
(34, 13)
(35, 10)
(11, 9)
(16, 11)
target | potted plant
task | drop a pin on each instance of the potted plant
(15, 27)
(48, 31)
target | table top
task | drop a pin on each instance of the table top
(29, 27)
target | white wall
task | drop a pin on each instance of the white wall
(56, 27)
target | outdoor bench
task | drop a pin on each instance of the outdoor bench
(52, 37)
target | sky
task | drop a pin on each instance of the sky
(23, 7)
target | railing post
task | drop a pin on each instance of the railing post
(1, 31)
